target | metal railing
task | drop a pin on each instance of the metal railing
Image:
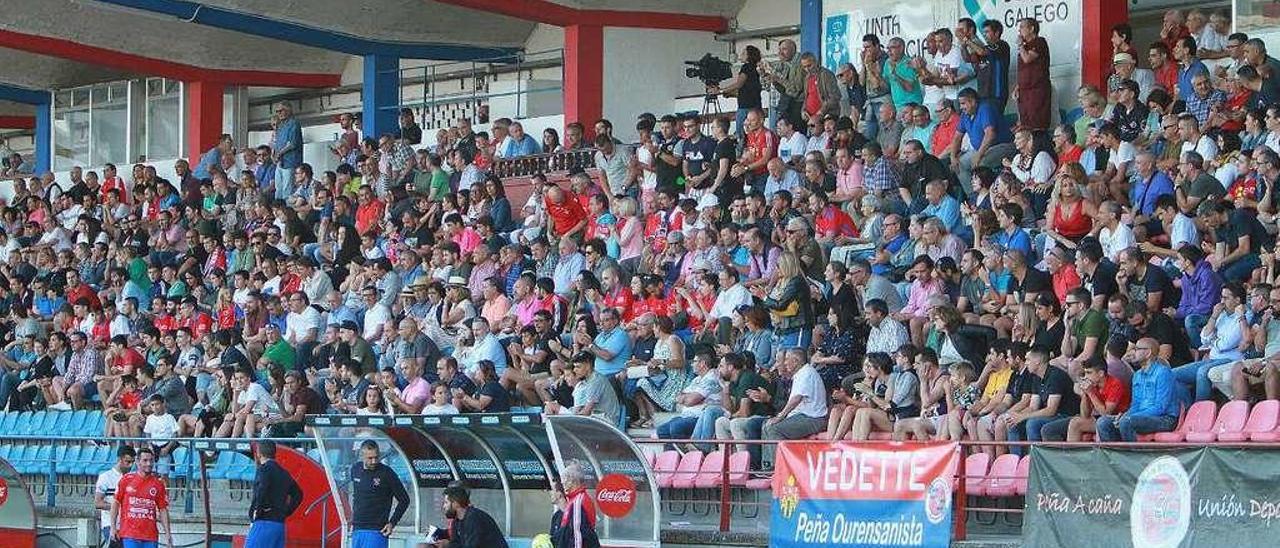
(733, 496)
(467, 82)
(527, 166)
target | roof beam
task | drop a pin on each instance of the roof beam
(23, 95)
(306, 35)
(92, 55)
(18, 122)
(551, 13)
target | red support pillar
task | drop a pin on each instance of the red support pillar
(204, 117)
(583, 74)
(1095, 38)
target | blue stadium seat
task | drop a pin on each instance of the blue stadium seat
(68, 459)
(56, 424)
(94, 425)
(243, 468)
(7, 421)
(182, 466)
(222, 465)
(105, 458)
(23, 458)
(75, 424)
(49, 456)
(21, 425)
(42, 461)
(6, 453)
(38, 421)
(89, 460)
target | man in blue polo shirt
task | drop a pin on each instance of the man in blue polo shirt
(1188, 66)
(989, 139)
(612, 347)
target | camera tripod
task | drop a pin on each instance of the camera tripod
(710, 106)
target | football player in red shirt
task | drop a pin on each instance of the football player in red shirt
(140, 504)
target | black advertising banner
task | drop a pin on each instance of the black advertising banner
(1152, 499)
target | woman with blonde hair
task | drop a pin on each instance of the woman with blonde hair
(1025, 322)
(630, 234)
(1070, 215)
(789, 304)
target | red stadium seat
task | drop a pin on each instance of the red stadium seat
(1199, 418)
(975, 471)
(1272, 435)
(1024, 472)
(760, 483)
(711, 471)
(739, 462)
(1231, 418)
(1262, 419)
(690, 463)
(1000, 480)
(881, 436)
(1182, 418)
(664, 467)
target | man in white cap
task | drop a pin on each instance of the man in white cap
(708, 211)
(1126, 68)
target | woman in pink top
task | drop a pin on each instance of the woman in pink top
(630, 232)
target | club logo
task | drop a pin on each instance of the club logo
(937, 500)
(1161, 509)
(790, 498)
(4, 491)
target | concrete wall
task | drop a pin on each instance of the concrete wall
(644, 72)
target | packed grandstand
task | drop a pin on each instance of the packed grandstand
(902, 248)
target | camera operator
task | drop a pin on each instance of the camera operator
(746, 86)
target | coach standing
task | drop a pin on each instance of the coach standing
(373, 486)
(275, 497)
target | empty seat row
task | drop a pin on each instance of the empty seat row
(1203, 422)
(696, 470)
(1004, 477)
(53, 424)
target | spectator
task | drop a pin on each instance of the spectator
(1154, 406)
(805, 411)
(1034, 90)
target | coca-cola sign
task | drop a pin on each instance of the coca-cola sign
(616, 495)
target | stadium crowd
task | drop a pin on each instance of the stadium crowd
(879, 251)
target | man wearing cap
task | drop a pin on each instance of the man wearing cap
(1129, 114)
(1126, 68)
(276, 350)
(800, 241)
(360, 350)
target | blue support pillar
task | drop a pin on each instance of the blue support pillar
(811, 27)
(43, 101)
(44, 137)
(380, 95)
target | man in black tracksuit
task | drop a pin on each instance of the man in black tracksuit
(275, 497)
(373, 486)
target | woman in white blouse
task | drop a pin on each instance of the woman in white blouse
(1033, 166)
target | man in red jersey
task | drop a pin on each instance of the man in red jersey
(140, 503)
(566, 215)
